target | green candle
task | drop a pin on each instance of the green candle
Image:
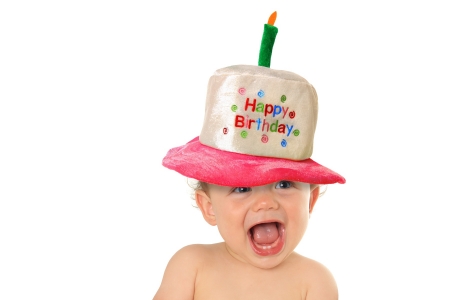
(268, 39)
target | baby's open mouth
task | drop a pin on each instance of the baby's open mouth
(267, 238)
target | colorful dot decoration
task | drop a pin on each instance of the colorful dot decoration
(225, 130)
(292, 114)
(234, 107)
(244, 134)
(283, 143)
(264, 138)
(261, 93)
(283, 98)
(241, 91)
(296, 132)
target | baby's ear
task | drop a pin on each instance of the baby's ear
(204, 204)
(314, 195)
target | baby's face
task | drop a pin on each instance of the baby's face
(260, 225)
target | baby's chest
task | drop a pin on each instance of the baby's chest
(218, 286)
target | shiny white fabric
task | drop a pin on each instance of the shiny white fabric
(240, 98)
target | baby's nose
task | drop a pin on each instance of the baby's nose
(265, 201)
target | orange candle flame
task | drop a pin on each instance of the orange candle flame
(272, 18)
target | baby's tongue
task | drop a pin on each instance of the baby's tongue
(266, 233)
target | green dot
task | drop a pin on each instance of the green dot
(283, 98)
(296, 132)
(244, 134)
(234, 107)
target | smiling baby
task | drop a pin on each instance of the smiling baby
(257, 184)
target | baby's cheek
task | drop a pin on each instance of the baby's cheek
(223, 226)
(301, 219)
(223, 232)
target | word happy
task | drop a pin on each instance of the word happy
(261, 123)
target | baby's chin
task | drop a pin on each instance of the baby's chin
(261, 262)
(269, 262)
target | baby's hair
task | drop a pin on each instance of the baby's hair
(196, 185)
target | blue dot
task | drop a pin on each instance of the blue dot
(283, 143)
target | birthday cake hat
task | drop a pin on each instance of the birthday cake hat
(258, 127)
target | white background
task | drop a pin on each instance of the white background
(94, 93)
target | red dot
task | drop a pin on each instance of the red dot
(292, 114)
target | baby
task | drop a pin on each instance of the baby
(257, 184)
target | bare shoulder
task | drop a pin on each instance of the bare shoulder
(318, 280)
(180, 275)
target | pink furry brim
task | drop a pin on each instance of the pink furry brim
(204, 163)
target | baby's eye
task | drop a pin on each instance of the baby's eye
(242, 189)
(283, 185)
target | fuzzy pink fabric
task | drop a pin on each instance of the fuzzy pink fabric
(211, 165)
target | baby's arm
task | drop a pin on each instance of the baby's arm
(179, 278)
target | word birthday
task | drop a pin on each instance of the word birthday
(261, 123)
